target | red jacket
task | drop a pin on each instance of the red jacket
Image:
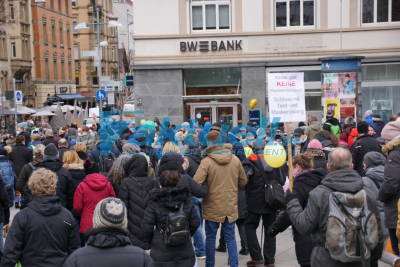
(89, 192)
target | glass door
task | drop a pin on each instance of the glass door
(225, 115)
(203, 114)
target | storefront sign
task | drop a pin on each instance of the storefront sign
(207, 46)
(286, 97)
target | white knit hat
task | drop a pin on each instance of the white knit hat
(110, 213)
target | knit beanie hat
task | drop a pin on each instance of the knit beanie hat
(110, 213)
(391, 130)
(374, 158)
(314, 144)
(51, 152)
(172, 162)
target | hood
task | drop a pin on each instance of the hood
(46, 205)
(96, 181)
(170, 197)
(315, 127)
(346, 181)
(136, 166)
(107, 238)
(312, 178)
(376, 174)
(391, 145)
(53, 165)
(222, 155)
(75, 166)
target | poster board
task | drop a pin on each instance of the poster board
(286, 97)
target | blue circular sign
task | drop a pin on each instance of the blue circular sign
(101, 94)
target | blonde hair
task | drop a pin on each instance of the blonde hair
(170, 147)
(43, 182)
(8, 149)
(71, 157)
(80, 147)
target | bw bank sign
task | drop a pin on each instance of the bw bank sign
(207, 46)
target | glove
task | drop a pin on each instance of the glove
(290, 196)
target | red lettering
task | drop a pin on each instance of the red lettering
(291, 83)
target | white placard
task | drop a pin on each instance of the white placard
(89, 53)
(286, 97)
(111, 98)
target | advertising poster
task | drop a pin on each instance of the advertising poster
(286, 97)
(332, 105)
(339, 85)
(347, 108)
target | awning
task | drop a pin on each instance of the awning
(70, 96)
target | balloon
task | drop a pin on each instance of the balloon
(274, 155)
(149, 124)
(252, 103)
(142, 122)
(248, 151)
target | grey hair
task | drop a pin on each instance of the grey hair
(340, 159)
(117, 171)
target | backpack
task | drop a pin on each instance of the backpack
(106, 162)
(335, 129)
(176, 231)
(352, 229)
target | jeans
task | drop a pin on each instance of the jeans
(229, 233)
(1, 238)
(198, 237)
(242, 233)
(252, 222)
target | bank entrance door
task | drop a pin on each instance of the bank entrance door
(222, 112)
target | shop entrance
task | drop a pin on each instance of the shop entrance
(223, 112)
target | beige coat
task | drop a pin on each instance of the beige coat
(224, 174)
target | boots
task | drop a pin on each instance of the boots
(221, 248)
(254, 263)
(244, 251)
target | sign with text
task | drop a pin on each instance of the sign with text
(213, 46)
(286, 97)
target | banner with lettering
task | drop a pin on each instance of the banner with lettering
(286, 97)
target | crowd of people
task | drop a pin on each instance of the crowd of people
(162, 203)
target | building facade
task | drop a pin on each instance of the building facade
(53, 64)
(5, 64)
(85, 40)
(206, 59)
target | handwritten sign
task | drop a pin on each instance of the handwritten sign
(286, 97)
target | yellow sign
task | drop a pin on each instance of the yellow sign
(332, 106)
(274, 155)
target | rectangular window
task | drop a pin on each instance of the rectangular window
(69, 71)
(380, 11)
(63, 70)
(47, 69)
(68, 37)
(210, 15)
(13, 49)
(52, 4)
(12, 11)
(55, 69)
(53, 34)
(61, 35)
(294, 13)
(59, 5)
(45, 37)
(73, 3)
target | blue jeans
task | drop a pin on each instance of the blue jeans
(198, 237)
(229, 233)
(1, 238)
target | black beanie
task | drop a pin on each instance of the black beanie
(362, 128)
(171, 162)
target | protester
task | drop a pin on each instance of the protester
(258, 173)
(224, 174)
(4, 209)
(170, 212)
(333, 124)
(49, 138)
(108, 243)
(89, 192)
(8, 177)
(117, 172)
(306, 178)
(134, 192)
(36, 140)
(87, 137)
(44, 233)
(364, 144)
(314, 149)
(22, 180)
(62, 147)
(75, 167)
(20, 154)
(328, 141)
(344, 184)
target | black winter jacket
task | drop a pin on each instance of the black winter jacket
(257, 171)
(108, 247)
(4, 205)
(77, 174)
(194, 160)
(41, 235)
(162, 201)
(63, 176)
(20, 155)
(360, 147)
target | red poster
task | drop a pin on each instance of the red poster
(347, 108)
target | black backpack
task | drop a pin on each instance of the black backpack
(176, 231)
(106, 162)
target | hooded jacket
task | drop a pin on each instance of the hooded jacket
(20, 155)
(134, 192)
(108, 247)
(41, 235)
(390, 190)
(94, 188)
(224, 174)
(312, 130)
(313, 218)
(162, 201)
(77, 174)
(363, 145)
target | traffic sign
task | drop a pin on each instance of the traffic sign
(101, 94)
(18, 97)
(128, 80)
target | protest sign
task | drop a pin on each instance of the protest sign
(286, 98)
(332, 106)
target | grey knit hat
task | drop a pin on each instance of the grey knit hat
(373, 158)
(51, 152)
(110, 213)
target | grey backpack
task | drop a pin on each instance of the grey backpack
(352, 229)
